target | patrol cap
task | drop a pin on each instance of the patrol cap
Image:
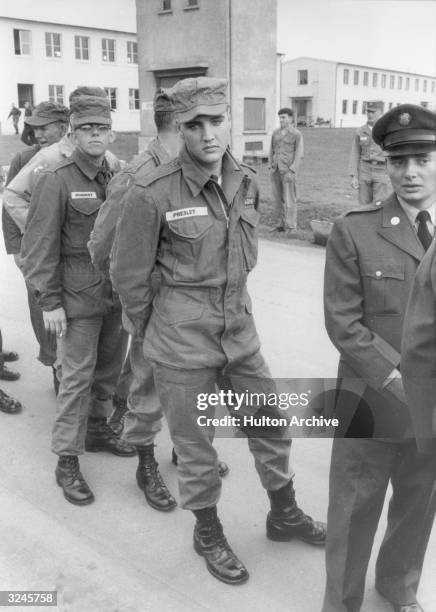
(162, 102)
(405, 129)
(84, 90)
(374, 105)
(90, 109)
(48, 112)
(199, 96)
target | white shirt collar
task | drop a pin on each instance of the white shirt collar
(412, 212)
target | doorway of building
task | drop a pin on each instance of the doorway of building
(25, 94)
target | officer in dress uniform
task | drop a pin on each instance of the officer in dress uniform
(367, 162)
(372, 256)
(195, 219)
(77, 301)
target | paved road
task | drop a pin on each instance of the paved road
(119, 555)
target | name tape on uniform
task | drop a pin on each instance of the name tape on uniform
(182, 213)
(77, 195)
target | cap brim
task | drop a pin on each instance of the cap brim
(38, 121)
(203, 109)
(99, 120)
(410, 148)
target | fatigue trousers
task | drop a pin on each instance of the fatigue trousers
(374, 184)
(178, 389)
(91, 356)
(359, 476)
(143, 419)
(46, 340)
(285, 196)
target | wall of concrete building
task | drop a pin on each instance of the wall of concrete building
(391, 96)
(41, 71)
(171, 41)
(232, 39)
(253, 70)
(319, 90)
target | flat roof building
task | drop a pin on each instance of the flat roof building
(45, 57)
(232, 39)
(337, 92)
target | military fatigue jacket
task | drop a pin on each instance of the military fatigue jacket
(57, 263)
(103, 234)
(202, 238)
(286, 149)
(364, 149)
(11, 232)
(372, 255)
(17, 196)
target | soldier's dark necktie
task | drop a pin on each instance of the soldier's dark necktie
(103, 176)
(423, 232)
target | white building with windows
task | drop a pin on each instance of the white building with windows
(337, 92)
(50, 47)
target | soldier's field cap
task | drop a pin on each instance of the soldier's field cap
(406, 128)
(199, 96)
(84, 90)
(374, 105)
(90, 109)
(162, 102)
(48, 112)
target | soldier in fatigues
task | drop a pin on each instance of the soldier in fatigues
(372, 256)
(286, 153)
(367, 162)
(77, 301)
(195, 219)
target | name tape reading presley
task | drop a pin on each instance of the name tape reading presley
(182, 213)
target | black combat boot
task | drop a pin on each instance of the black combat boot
(69, 477)
(100, 437)
(286, 521)
(210, 543)
(116, 420)
(150, 481)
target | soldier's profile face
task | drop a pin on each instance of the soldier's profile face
(47, 135)
(207, 137)
(93, 139)
(413, 177)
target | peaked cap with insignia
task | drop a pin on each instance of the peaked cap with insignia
(407, 128)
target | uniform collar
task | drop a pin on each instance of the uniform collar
(158, 151)
(196, 176)
(85, 163)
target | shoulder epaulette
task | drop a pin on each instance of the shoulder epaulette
(160, 171)
(247, 166)
(137, 162)
(68, 161)
(369, 208)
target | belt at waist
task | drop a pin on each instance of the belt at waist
(373, 162)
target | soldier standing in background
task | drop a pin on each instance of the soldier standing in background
(285, 156)
(367, 162)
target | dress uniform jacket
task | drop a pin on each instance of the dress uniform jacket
(371, 259)
(204, 243)
(18, 193)
(103, 234)
(57, 264)
(418, 356)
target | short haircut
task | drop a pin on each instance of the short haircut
(163, 119)
(286, 111)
